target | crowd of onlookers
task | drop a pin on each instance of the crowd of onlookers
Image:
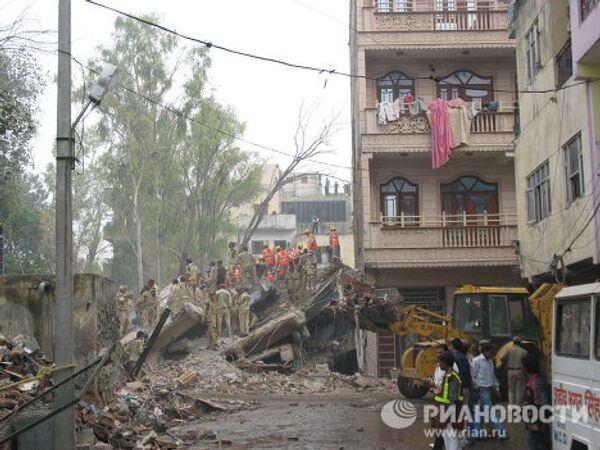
(465, 382)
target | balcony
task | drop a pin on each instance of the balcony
(446, 241)
(490, 131)
(473, 23)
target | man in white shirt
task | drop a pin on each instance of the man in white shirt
(485, 385)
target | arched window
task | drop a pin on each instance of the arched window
(471, 196)
(395, 85)
(400, 197)
(466, 85)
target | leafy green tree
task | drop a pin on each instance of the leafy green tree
(170, 183)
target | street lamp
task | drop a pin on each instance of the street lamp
(105, 82)
(64, 424)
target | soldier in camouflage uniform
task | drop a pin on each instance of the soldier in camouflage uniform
(233, 255)
(175, 297)
(212, 278)
(149, 304)
(212, 316)
(225, 308)
(192, 274)
(243, 308)
(123, 304)
(247, 264)
(134, 350)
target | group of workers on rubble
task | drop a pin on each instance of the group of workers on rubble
(224, 293)
(465, 378)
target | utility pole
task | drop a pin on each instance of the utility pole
(64, 423)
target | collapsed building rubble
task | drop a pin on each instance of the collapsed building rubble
(294, 347)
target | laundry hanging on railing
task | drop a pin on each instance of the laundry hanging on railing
(442, 139)
(450, 127)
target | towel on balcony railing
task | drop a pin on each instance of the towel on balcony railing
(388, 112)
(450, 127)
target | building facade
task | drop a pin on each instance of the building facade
(421, 230)
(328, 199)
(556, 158)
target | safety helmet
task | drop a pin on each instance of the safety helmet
(122, 288)
(266, 244)
(277, 247)
(300, 244)
(307, 231)
(333, 229)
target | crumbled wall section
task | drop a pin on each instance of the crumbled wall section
(25, 308)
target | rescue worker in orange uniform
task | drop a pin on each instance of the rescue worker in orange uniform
(295, 256)
(269, 255)
(283, 262)
(311, 241)
(334, 242)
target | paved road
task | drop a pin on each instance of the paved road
(323, 422)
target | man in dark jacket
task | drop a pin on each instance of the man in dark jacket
(221, 273)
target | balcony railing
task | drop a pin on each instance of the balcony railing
(493, 122)
(460, 15)
(462, 230)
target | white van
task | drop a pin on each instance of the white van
(576, 367)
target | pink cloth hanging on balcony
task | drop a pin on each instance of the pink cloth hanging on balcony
(442, 140)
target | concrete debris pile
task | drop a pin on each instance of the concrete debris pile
(361, 304)
(24, 371)
(146, 414)
(216, 374)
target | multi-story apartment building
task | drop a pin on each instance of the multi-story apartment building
(421, 230)
(556, 159)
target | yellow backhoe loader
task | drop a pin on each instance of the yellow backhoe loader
(493, 313)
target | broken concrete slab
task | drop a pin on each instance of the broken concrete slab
(189, 316)
(268, 335)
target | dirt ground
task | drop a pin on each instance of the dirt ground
(322, 422)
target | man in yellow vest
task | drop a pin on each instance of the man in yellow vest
(449, 398)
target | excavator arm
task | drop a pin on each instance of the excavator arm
(428, 324)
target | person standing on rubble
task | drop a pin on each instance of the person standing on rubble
(233, 255)
(153, 303)
(244, 311)
(310, 241)
(283, 263)
(175, 297)
(334, 242)
(212, 277)
(247, 265)
(134, 350)
(192, 274)
(212, 316)
(123, 300)
(225, 307)
(311, 271)
(221, 273)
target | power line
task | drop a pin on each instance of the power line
(587, 224)
(293, 65)
(210, 127)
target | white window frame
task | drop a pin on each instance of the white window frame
(538, 194)
(570, 173)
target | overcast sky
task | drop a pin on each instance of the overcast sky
(265, 96)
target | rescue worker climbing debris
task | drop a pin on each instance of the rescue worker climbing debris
(123, 305)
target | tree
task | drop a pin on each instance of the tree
(306, 148)
(23, 199)
(171, 178)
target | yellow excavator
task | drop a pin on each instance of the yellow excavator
(493, 313)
